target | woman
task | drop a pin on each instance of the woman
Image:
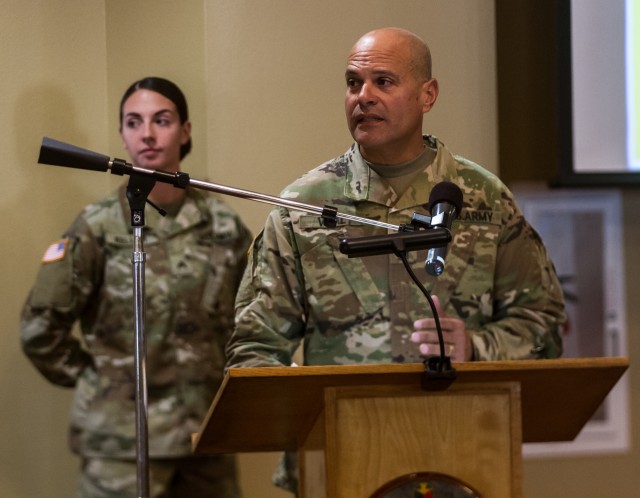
(195, 258)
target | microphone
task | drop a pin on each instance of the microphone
(445, 203)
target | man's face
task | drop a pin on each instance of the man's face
(385, 101)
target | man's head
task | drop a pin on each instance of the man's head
(389, 88)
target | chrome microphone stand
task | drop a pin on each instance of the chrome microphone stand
(138, 190)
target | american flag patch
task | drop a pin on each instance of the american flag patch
(56, 251)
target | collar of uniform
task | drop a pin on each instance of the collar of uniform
(418, 192)
(364, 184)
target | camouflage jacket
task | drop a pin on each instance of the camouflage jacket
(298, 285)
(194, 262)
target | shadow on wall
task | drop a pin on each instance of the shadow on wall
(38, 203)
(40, 111)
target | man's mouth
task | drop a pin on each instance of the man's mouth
(368, 118)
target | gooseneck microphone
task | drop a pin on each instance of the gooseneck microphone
(445, 204)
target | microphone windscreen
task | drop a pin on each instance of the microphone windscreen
(58, 153)
(446, 192)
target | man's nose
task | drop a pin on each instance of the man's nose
(367, 95)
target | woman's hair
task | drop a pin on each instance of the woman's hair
(167, 89)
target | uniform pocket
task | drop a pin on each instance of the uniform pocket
(340, 290)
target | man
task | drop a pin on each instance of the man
(498, 297)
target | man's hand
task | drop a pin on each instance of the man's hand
(457, 341)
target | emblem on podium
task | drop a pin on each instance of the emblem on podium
(426, 485)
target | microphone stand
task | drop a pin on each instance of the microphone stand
(438, 371)
(138, 190)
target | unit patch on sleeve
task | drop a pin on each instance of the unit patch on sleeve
(56, 251)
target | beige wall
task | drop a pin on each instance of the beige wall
(53, 83)
(265, 84)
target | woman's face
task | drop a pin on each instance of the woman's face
(151, 131)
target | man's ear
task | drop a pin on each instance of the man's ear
(429, 94)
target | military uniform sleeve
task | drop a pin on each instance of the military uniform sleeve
(56, 301)
(528, 311)
(236, 264)
(270, 310)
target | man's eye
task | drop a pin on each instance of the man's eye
(352, 82)
(131, 123)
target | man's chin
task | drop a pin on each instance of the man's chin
(367, 139)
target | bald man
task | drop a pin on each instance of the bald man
(498, 297)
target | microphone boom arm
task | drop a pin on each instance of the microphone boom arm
(56, 153)
(408, 239)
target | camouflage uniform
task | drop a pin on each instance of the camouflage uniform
(193, 267)
(298, 285)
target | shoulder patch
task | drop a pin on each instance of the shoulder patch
(56, 251)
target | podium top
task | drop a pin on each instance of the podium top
(266, 409)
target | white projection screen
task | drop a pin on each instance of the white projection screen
(600, 92)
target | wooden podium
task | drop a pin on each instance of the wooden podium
(360, 427)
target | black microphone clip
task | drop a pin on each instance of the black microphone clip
(438, 373)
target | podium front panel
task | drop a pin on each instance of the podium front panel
(374, 435)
